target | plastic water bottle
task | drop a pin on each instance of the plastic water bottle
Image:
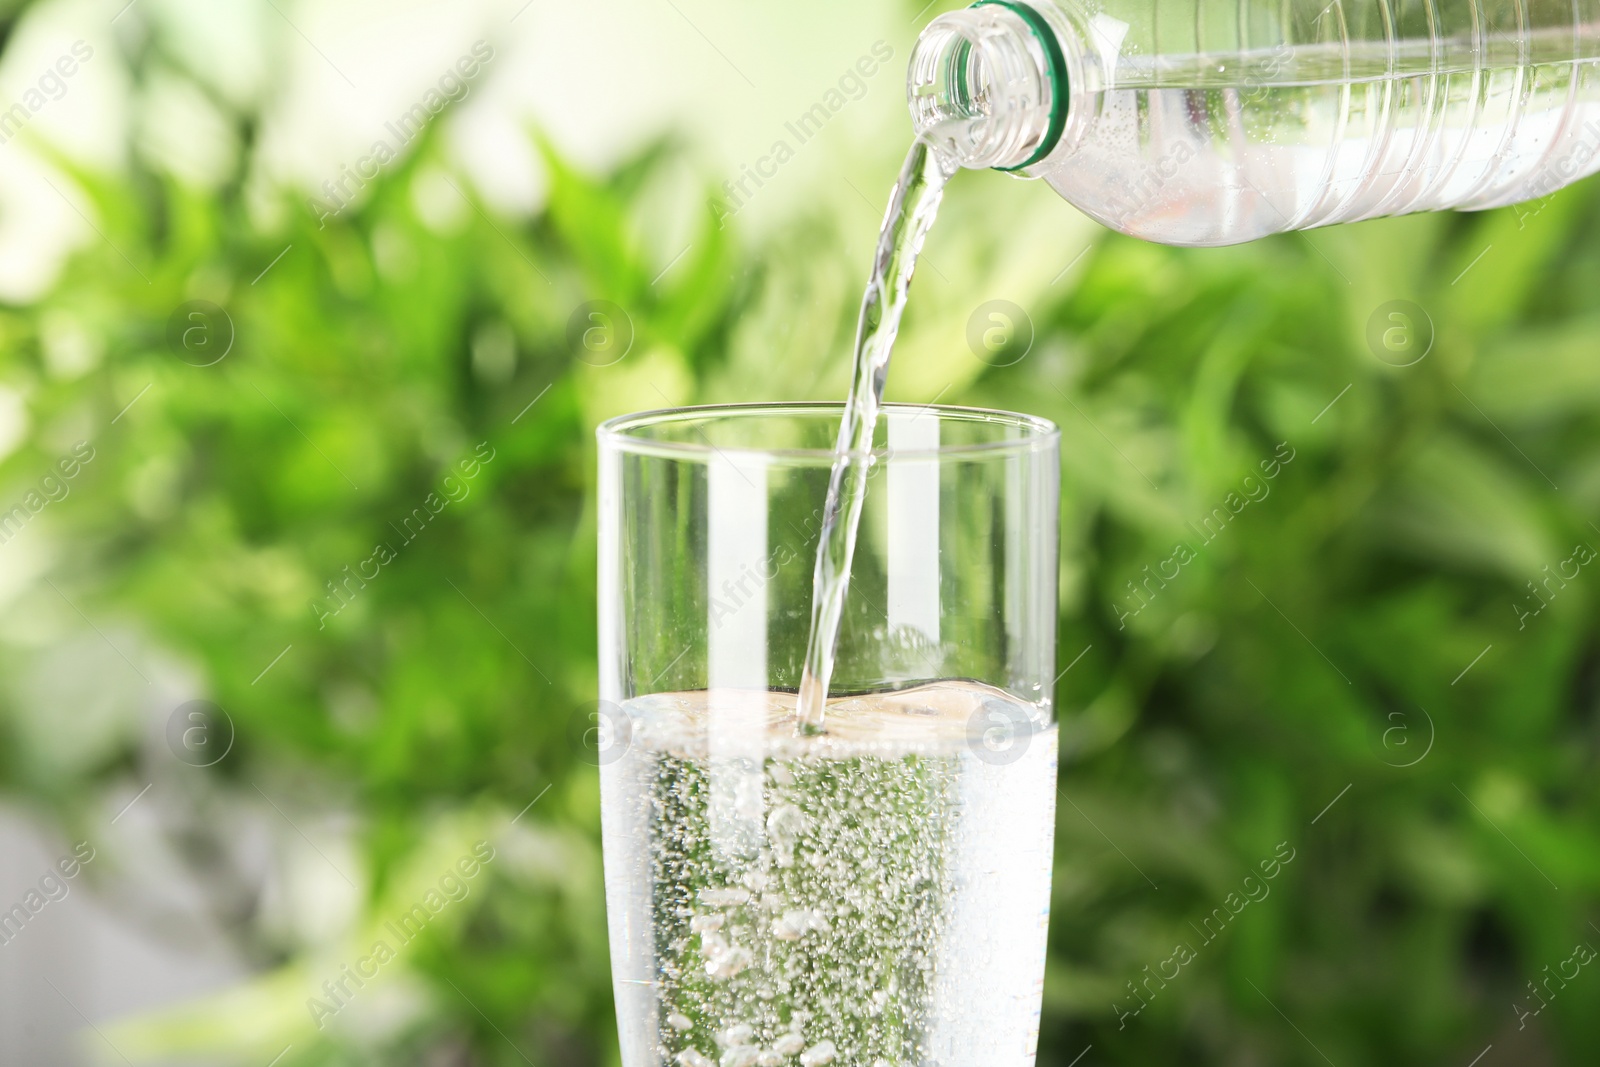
(1210, 122)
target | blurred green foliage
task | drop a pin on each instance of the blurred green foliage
(1351, 667)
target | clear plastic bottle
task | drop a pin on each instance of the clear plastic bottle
(1210, 122)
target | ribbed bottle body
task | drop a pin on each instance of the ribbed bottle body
(1199, 122)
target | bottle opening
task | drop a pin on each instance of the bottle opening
(987, 86)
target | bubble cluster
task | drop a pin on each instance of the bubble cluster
(803, 925)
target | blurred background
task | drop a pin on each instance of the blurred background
(281, 280)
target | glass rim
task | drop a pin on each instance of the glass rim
(620, 433)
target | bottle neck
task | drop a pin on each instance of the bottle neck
(988, 85)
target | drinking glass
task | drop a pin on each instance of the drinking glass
(875, 895)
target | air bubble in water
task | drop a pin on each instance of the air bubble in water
(784, 827)
(706, 924)
(789, 1044)
(723, 897)
(727, 962)
(875, 832)
(792, 926)
(818, 1054)
(737, 1034)
(796, 924)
